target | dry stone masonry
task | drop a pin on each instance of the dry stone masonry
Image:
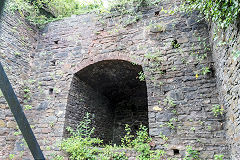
(17, 45)
(227, 73)
(149, 72)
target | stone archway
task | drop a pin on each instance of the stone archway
(111, 91)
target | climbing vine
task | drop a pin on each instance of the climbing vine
(222, 12)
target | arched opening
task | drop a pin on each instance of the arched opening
(112, 92)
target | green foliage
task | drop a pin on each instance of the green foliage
(217, 110)
(119, 156)
(170, 123)
(236, 54)
(140, 143)
(28, 10)
(141, 76)
(142, 136)
(165, 138)
(58, 157)
(27, 107)
(169, 101)
(26, 95)
(17, 54)
(205, 70)
(11, 156)
(175, 44)
(191, 154)
(127, 139)
(193, 129)
(82, 146)
(26, 90)
(65, 8)
(51, 124)
(43, 11)
(218, 157)
(201, 57)
(150, 56)
(17, 133)
(222, 12)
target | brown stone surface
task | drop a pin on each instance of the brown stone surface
(12, 124)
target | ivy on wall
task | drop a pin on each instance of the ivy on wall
(221, 12)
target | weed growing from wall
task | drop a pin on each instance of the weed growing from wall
(217, 110)
(191, 154)
(82, 146)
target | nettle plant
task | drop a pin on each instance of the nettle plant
(191, 154)
(82, 146)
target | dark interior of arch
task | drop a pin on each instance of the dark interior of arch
(111, 92)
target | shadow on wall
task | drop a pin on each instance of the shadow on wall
(112, 92)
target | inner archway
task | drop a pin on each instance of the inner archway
(111, 91)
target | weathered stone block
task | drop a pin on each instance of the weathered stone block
(163, 117)
(2, 123)
(12, 124)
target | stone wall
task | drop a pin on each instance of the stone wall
(224, 46)
(179, 103)
(17, 45)
(84, 99)
(170, 49)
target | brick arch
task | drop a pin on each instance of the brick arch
(102, 57)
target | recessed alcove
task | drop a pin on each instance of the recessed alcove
(111, 92)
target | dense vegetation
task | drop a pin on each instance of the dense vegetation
(40, 12)
(82, 146)
(222, 12)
